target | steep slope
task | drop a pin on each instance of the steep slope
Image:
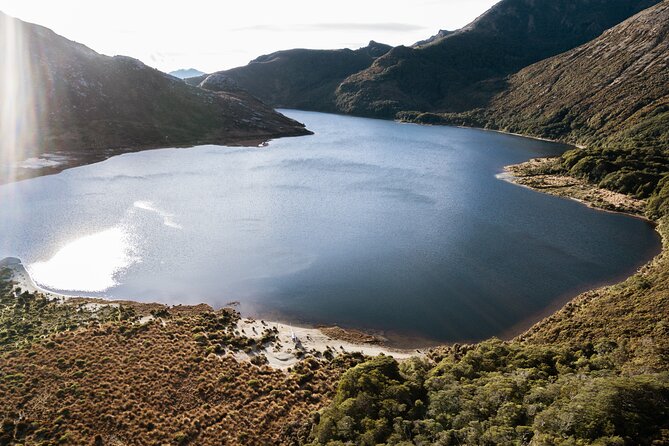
(299, 78)
(462, 70)
(602, 92)
(611, 95)
(63, 98)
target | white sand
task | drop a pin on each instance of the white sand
(285, 352)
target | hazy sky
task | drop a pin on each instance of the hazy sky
(213, 35)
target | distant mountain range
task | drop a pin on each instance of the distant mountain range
(518, 68)
(185, 73)
(71, 101)
(299, 78)
(451, 71)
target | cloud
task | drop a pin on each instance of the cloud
(311, 27)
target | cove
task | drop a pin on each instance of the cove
(396, 228)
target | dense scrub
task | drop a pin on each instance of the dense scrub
(497, 393)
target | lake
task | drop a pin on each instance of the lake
(397, 228)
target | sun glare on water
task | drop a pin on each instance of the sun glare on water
(88, 264)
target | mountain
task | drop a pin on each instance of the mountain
(463, 69)
(62, 98)
(610, 95)
(603, 92)
(430, 40)
(185, 73)
(299, 78)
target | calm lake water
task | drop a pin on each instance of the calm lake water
(371, 224)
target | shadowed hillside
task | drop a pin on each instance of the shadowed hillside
(300, 78)
(63, 98)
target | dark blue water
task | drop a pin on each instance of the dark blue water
(370, 224)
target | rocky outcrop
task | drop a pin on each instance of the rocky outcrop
(433, 39)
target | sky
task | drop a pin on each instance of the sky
(212, 35)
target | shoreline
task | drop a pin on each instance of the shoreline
(526, 175)
(538, 138)
(530, 174)
(321, 339)
(485, 129)
(292, 341)
(80, 159)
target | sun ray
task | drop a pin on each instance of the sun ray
(19, 126)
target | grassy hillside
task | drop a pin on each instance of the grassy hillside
(610, 95)
(76, 373)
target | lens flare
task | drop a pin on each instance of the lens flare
(19, 96)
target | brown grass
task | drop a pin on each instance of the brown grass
(126, 383)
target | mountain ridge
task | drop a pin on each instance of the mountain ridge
(464, 69)
(185, 73)
(299, 78)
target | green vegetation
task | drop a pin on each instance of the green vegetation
(26, 318)
(497, 393)
(595, 372)
(636, 172)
